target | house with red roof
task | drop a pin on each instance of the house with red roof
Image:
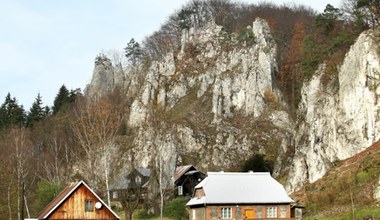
(78, 201)
(234, 195)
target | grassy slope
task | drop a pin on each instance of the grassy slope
(346, 189)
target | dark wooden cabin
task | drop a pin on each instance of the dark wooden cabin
(186, 178)
(78, 201)
(131, 182)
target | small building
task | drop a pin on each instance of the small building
(186, 178)
(136, 178)
(78, 201)
(232, 195)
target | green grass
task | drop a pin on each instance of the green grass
(373, 212)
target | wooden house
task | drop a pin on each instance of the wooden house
(186, 178)
(234, 196)
(78, 201)
(133, 181)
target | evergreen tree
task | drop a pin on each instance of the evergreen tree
(11, 113)
(328, 18)
(61, 99)
(36, 112)
(74, 93)
(64, 98)
(133, 52)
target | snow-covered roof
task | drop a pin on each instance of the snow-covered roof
(240, 188)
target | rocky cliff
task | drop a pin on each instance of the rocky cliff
(340, 119)
(212, 103)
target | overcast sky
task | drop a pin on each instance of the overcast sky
(47, 43)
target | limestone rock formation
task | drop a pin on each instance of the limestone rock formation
(212, 103)
(340, 119)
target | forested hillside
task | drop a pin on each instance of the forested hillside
(217, 85)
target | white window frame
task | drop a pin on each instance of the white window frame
(115, 194)
(180, 190)
(138, 179)
(259, 211)
(283, 211)
(226, 213)
(272, 212)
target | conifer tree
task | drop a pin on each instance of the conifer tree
(61, 99)
(133, 52)
(64, 98)
(11, 113)
(36, 112)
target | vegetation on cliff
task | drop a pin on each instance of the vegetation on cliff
(40, 150)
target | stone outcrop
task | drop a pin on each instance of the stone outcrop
(214, 105)
(106, 77)
(340, 119)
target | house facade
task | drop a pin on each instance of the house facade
(77, 201)
(233, 196)
(132, 184)
(186, 178)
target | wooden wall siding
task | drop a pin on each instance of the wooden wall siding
(74, 207)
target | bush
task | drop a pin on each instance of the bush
(46, 192)
(176, 208)
(258, 163)
(362, 177)
(143, 214)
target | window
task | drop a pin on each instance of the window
(259, 212)
(138, 179)
(282, 211)
(180, 190)
(226, 213)
(298, 213)
(89, 206)
(115, 195)
(271, 212)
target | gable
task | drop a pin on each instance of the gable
(126, 181)
(74, 207)
(70, 204)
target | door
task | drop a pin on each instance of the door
(249, 214)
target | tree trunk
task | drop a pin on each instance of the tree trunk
(107, 180)
(20, 202)
(9, 202)
(161, 188)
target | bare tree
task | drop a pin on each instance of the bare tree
(95, 127)
(21, 145)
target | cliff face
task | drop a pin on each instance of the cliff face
(340, 119)
(212, 104)
(235, 80)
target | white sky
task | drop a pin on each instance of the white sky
(45, 44)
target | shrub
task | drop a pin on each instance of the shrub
(258, 163)
(362, 177)
(176, 208)
(46, 192)
(143, 214)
